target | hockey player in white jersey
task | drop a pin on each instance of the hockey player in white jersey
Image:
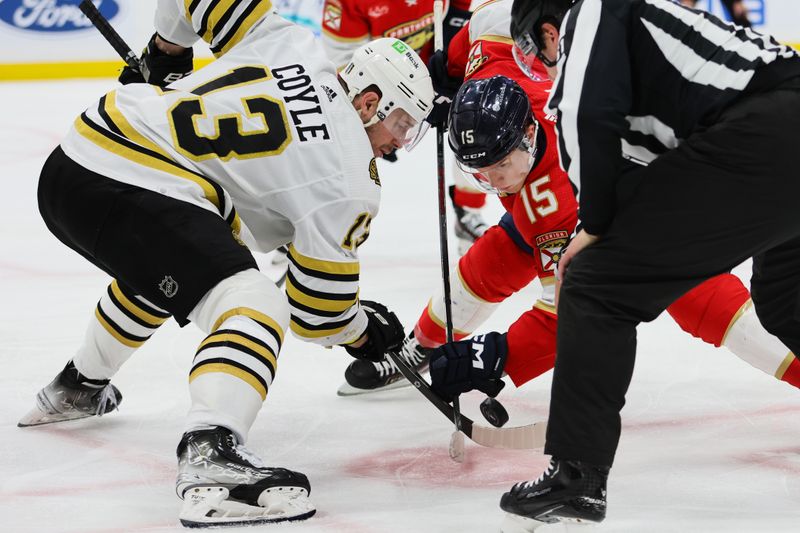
(168, 190)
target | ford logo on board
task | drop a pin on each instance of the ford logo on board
(51, 15)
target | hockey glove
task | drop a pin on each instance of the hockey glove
(157, 67)
(445, 87)
(475, 363)
(384, 333)
(391, 157)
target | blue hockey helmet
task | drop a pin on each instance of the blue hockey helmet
(488, 119)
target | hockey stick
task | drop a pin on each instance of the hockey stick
(110, 34)
(457, 439)
(516, 438)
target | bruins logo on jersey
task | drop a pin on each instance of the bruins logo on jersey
(475, 59)
(415, 34)
(551, 245)
(373, 172)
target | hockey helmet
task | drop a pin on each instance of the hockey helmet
(488, 121)
(404, 83)
(527, 17)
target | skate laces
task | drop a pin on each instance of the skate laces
(243, 452)
(551, 469)
(107, 401)
(408, 352)
(386, 367)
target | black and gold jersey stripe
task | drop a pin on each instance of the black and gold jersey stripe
(131, 151)
(227, 366)
(318, 268)
(223, 23)
(316, 331)
(269, 325)
(134, 309)
(116, 331)
(320, 313)
(318, 302)
(243, 343)
(121, 138)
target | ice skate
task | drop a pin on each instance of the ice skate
(364, 376)
(223, 484)
(469, 225)
(568, 491)
(72, 396)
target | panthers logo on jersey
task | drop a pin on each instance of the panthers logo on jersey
(475, 59)
(551, 245)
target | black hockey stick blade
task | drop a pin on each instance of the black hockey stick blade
(517, 438)
(106, 30)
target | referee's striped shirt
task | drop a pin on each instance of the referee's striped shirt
(638, 76)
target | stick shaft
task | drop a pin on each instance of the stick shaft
(438, 41)
(110, 34)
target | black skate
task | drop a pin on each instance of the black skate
(364, 376)
(568, 491)
(72, 396)
(469, 225)
(223, 484)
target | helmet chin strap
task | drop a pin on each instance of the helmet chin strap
(372, 121)
(531, 147)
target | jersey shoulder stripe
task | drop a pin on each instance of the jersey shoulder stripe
(223, 23)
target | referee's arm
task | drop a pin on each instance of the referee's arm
(593, 96)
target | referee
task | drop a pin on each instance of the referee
(707, 116)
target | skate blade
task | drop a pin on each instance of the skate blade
(37, 417)
(519, 524)
(348, 390)
(210, 507)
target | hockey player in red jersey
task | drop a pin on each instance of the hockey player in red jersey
(542, 213)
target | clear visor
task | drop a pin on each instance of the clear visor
(527, 63)
(405, 129)
(506, 175)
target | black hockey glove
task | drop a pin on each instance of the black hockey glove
(454, 20)
(391, 157)
(384, 332)
(444, 87)
(475, 363)
(158, 68)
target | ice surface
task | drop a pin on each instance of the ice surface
(709, 444)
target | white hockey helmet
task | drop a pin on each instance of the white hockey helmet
(404, 82)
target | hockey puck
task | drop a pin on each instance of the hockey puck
(494, 412)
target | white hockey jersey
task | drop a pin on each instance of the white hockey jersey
(265, 133)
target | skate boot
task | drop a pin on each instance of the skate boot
(72, 396)
(469, 225)
(568, 491)
(223, 484)
(364, 376)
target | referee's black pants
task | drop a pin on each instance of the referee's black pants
(726, 194)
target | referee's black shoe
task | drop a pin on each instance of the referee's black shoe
(568, 491)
